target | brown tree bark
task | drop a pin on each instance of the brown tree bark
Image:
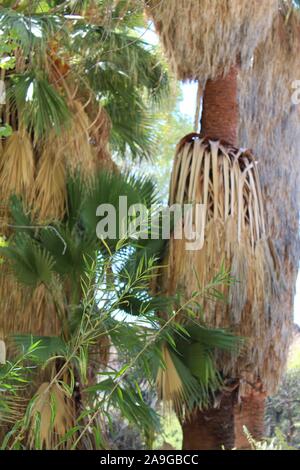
(211, 429)
(220, 108)
(250, 412)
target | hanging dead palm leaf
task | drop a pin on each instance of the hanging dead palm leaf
(16, 165)
(32, 310)
(49, 189)
(170, 386)
(52, 417)
(76, 145)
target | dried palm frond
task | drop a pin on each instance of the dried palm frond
(80, 146)
(202, 38)
(49, 189)
(225, 180)
(52, 417)
(170, 387)
(25, 310)
(77, 148)
(17, 165)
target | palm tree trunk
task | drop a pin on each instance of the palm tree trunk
(223, 426)
(220, 108)
(211, 429)
(250, 412)
(214, 428)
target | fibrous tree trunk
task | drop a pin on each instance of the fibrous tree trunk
(250, 412)
(212, 429)
(220, 108)
(223, 424)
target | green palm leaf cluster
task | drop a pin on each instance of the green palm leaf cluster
(37, 254)
(61, 47)
(131, 79)
(14, 377)
(41, 106)
(188, 376)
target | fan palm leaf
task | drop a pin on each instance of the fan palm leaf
(30, 263)
(41, 107)
(188, 376)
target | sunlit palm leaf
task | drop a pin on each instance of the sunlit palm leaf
(41, 106)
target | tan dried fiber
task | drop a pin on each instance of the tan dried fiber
(49, 190)
(202, 38)
(170, 388)
(270, 125)
(76, 145)
(25, 310)
(56, 412)
(83, 145)
(266, 89)
(16, 165)
(225, 179)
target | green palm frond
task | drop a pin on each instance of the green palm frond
(30, 30)
(120, 59)
(188, 375)
(70, 256)
(48, 346)
(41, 106)
(127, 398)
(64, 248)
(30, 263)
(127, 76)
(76, 192)
(21, 218)
(106, 188)
(212, 338)
(196, 388)
(132, 131)
(14, 376)
(144, 257)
